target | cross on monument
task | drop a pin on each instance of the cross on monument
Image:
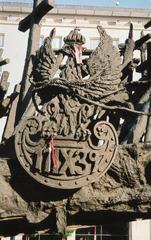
(40, 9)
(21, 103)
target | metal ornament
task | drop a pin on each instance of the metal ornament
(66, 143)
(79, 161)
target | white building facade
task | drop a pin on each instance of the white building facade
(116, 22)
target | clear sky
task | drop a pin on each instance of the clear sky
(106, 3)
(109, 3)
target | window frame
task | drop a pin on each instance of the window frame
(60, 42)
(2, 41)
(95, 39)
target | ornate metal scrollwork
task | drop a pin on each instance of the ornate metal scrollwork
(65, 144)
(68, 147)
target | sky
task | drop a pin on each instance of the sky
(109, 3)
(146, 4)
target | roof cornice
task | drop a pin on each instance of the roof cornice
(79, 10)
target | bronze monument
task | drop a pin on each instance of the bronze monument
(78, 132)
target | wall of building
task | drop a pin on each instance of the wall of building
(115, 21)
(140, 229)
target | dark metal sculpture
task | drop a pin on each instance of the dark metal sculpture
(63, 161)
(82, 133)
(66, 145)
(5, 101)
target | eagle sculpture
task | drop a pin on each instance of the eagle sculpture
(96, 78)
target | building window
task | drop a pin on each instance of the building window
(1, 40)
(112, 231)
(1, 52)
(94, 42)
(115, 231)
(57, 42)
(115, 42)
(41, 41)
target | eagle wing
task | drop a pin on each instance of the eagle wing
(104, 66)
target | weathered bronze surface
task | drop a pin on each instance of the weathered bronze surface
(5, 102)
(79, 161)
(79, 134)
(84, 146)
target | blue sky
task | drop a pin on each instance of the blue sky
(106, 3)
(109, 3)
